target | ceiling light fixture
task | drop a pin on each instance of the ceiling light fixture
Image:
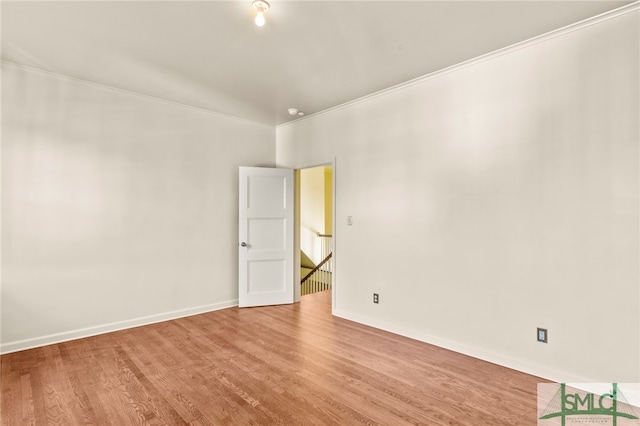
(295, 111)
(261, 6)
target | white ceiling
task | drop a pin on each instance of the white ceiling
(312, 55)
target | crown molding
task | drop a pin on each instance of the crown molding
(629, 8)
(131, 93)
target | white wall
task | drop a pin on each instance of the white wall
(495, 198)
(117, 209)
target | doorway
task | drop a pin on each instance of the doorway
(315, 195)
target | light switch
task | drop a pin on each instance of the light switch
(349, 220)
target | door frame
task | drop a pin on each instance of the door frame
(296, 229)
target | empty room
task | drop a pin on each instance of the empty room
(474, 258)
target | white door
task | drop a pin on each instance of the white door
(265, 237)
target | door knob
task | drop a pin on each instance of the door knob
(243, 244)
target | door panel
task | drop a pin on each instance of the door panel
(266, 237)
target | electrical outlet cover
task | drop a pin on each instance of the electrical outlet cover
(542, 335)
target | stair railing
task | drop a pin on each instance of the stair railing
(320, 277)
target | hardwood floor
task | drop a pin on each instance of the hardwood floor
(292, 364)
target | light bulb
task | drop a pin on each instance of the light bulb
(261, 6)
(260, 19)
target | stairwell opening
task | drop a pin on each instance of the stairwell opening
(316, 229)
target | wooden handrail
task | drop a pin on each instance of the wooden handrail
(306, 277)
(324, 235)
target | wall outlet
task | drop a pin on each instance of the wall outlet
(542, 335)
(376, 298)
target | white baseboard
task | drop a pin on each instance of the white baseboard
(632, 390)
(492, 357)
(50, 339)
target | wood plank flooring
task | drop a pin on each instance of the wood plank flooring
(292, 364)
